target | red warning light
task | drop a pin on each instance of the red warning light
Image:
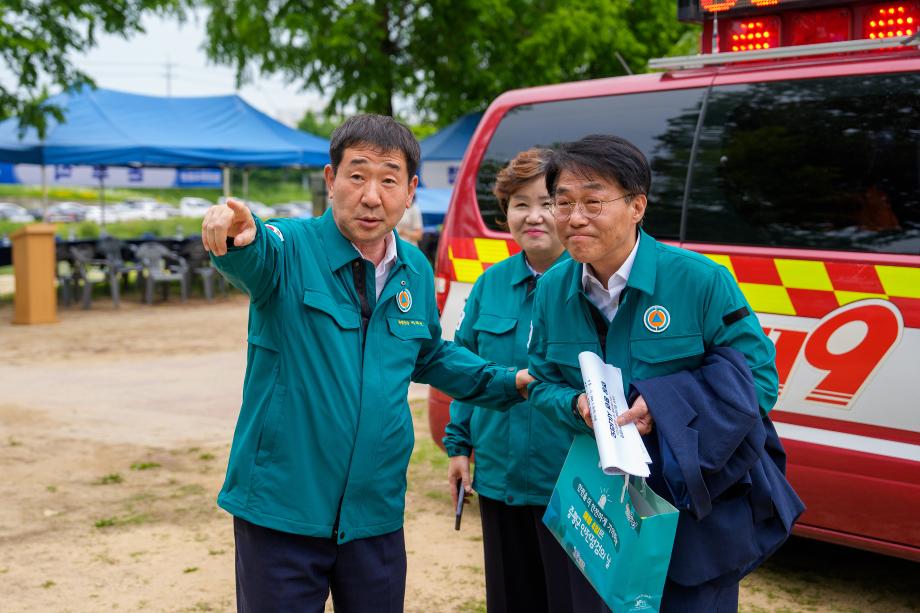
(745, 35)
(717, 5)
(891, 20)
(814, 27)
(764, 2)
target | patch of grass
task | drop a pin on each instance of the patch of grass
(109, 479)
(216, 552)
(48, 584)
(191, 489)
(134, 519)
(12, 442)
(473, 606)
(427, 453)
(190, 569)
(145, 465)
(136, 554)
(438, 495)
(51, 488)
(206, 456)
(105, 558)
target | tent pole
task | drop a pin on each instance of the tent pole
(226, 170)
(44, 187)
(102, 200)
(246, 183)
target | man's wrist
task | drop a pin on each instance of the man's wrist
(575, 411)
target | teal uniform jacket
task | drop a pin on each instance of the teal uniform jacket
(677, 305)
(324, 434)
(519, 453)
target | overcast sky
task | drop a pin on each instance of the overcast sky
(139, 65)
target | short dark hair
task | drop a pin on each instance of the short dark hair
(381, 133)
(604, 156)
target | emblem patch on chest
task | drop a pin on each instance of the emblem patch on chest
(404, 300)
(656, 319)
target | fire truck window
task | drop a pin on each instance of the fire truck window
(661, 124)
(824, 163)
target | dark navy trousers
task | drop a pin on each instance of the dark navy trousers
(527, 570)
(278, 572)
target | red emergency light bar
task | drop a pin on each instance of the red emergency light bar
(754, 25)
(891, 20)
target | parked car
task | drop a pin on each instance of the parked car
(65, 212)
(113, 213)
(14, 213)
(194, 207)
(259, 209)
(144, 209)
(294, 209)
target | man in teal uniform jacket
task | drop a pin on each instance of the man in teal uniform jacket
(342, 317)
(645, 307)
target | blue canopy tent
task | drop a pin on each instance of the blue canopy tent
(106, 127)
(450, 142)
(433, 205)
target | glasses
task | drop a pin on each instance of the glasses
(590, 208)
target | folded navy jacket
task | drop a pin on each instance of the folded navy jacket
(719, 461)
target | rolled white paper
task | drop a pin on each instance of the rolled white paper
(620, 448)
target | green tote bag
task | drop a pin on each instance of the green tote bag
(614, 528)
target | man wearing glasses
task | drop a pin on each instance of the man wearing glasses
(654, 310)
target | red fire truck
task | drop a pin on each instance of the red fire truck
(789, 151)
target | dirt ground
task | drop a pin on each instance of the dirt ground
(114, 434)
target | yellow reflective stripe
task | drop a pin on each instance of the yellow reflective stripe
(900, 281)
(844, 297)
(724, 260)
(467, 271)
(768, 298)
(803, 274)
(491, 250)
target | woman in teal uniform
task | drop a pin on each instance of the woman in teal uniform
(519, 453)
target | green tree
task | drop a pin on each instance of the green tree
(444, 57)
(318, 123)
(38, 40)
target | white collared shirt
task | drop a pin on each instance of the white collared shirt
(607, 298)
(382, 270)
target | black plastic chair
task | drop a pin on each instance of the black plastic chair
(162, 266)
(113, 251)
(89, 270)
(200, 264)
(65, 273)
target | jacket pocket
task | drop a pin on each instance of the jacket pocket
(494, 324)
(407, 329)
(271, 425)
(565, 356)
(653, 357)
(495, 337)
(344, 315)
